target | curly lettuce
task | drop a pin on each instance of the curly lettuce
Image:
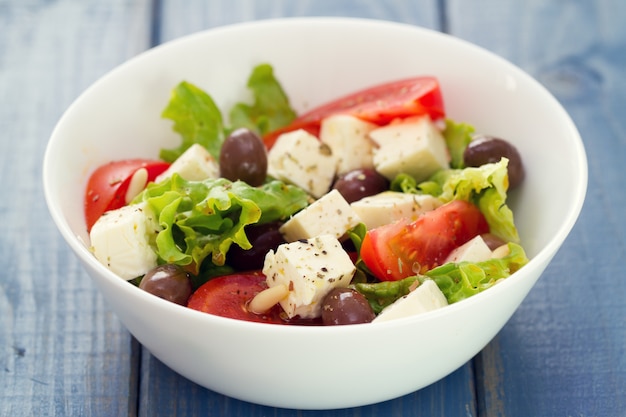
(485, 186)
(457, 137)
(198, 120)
(271, 109)
(202, 219)
(457, 281)
(462, 280)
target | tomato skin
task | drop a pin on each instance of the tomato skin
(379, 104)
(228, 296)
(107, 185)
(393, 251)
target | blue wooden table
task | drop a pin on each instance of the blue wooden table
(64, 353)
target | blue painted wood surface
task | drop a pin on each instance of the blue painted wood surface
(64, 353)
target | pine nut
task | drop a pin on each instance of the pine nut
(267, 299)
(136, 185)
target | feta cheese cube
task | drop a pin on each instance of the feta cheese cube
(121, 238)
(348, 137)
(299, 158)
(474, 250)
(390, 206)
(414, 146)
(330, 215)
(426, 297)
(195, 164)
(309, 269)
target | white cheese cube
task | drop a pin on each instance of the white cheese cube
(474, 250)
(121, 238)
(391, 206)
(331, 215)
(426, 297)
(309, 269)
(414, 146)
(299, 158)
(195, 164)
(348, 138)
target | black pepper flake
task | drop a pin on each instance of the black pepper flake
(324, 269)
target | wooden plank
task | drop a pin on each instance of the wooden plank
(563, 352)
(63, 351)
(179, 19)
(165, 393)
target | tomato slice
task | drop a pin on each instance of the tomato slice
(402, 249)
(107, 185)
(379, 104)
(228, 296)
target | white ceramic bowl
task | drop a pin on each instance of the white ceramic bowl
(318, 59)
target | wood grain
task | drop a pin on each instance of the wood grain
(562, 353)
(181, 19)
(63, 350)
(64, 353)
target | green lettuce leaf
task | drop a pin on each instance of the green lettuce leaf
(457, 281)
(381, 294)
(196, 118)
(465, 279)
(457, 136)
(201, 219)
(485, 186)
(405, 183)
(271, 109)
(356, 235)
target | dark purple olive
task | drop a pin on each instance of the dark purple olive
(345, 306)
(487, 149)
(492, 241)
(170, 282)
(263, 237)
(360, 183)
(244, 157)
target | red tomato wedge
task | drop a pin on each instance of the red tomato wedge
(402, 249)
(379, 104)
(107, 185)
(228, 296)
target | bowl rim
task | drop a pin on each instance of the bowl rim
(543, 255)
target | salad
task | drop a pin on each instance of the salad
(372, 207)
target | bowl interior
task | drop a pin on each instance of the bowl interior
(119, 116)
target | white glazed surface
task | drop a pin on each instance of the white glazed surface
(317, 59)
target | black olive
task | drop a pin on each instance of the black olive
(244, 157)
(263, 237)
(492, 241)
(487, 149)
(346, 306)
(360, 183)
(170, 282)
